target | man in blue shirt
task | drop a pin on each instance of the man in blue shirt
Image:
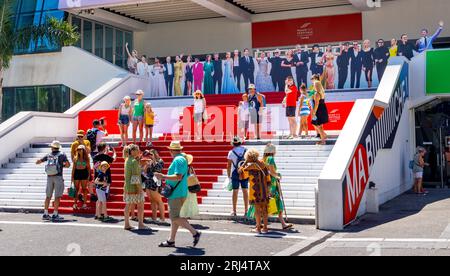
(177, 177)
(426, 42)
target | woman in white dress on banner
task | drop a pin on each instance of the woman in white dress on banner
(157, 82)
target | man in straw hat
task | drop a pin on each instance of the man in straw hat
(177, 178)
(55, 162)
(236, 158)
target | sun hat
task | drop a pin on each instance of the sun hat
(251, 86)
(55, 145)
(80, 133)
(237, 141)
(104, 164)
(139, 92)
(175, 145)
(189, 158)
(270, 149)
(198, 92)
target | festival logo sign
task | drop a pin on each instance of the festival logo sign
(379, 133)
(347, 27)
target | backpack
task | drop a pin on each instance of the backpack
(52, 167)
(91, 136)
(411, 165)
(240, 161)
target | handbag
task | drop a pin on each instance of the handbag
(72, 191)
(169, 190)
(272, 208)
(193, 182)
(205, 116)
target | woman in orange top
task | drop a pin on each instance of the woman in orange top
(149, 123)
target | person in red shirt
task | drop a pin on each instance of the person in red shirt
(291, 105)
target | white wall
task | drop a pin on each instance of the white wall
(211, 35)
(72, 67)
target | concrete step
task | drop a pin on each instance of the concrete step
(21, 203)
(28, 183)
(22, 196)
(227, 209)
(287, 194)
(284, 186)
(287, 179)
(307, 203)
(22, 189)
(30, 177)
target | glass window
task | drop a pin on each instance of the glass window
(25, 99)
(87, 36)
(120, 55)
(99, 40)
(31, 5)
(51, 4)
(77, 22)
(109, 44)
(8, 103)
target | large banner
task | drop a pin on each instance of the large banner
(311, 30)
(379, 133)
(437, 72)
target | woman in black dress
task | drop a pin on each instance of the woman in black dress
(320, 111)
(189, 77)
(287, 64)
(368, 62)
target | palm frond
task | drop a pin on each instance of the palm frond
(6, 33)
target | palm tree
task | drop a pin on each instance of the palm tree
(56, 32)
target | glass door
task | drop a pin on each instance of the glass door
(432, 132)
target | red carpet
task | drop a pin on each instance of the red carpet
(210, 159)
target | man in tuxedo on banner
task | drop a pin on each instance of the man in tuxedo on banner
(343, 61)
(301, 59)
(237, 69)
(316, 60)
(247, 66)
(218, 73)
(169, 71)
(275, 72)
(355, 65)
(381, 57)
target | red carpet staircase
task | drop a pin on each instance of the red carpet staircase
(209, 163)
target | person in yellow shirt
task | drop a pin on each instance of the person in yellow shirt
(80, 141)
(149, 123)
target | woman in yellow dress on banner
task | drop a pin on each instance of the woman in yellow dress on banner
(178, 76)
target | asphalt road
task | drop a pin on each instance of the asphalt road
(409, 225)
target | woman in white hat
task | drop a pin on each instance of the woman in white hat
(199, 113)
(125, 114)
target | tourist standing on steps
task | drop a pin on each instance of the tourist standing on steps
(176, 178)
(275, 190)
(149, 123)
(125, 114)
(291, 106)
(102, 185)
(138, 116)
(56, 161)
(259, 187)
(320, 111)
(80, 141)
(256, 105)
(154, 164)
(104, 156)
(244, 117)
(199, 113)
(133, 192)
(235, 160)
(419, 165)
(304, 111)
(81, 174)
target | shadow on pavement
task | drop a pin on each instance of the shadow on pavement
(403, 206)
(188, 251)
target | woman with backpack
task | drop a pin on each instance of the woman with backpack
(236, 158)
(81, 174)
(259, 188)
